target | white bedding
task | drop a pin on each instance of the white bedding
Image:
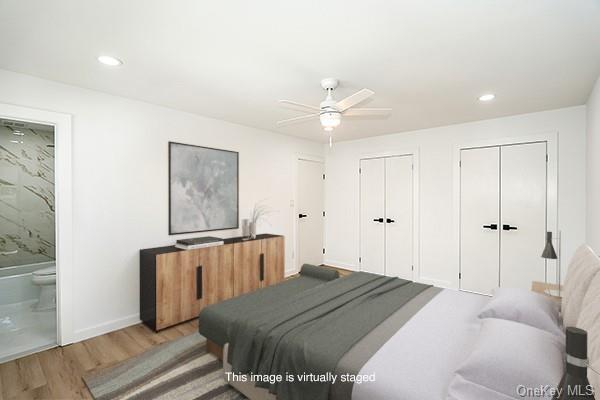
(419, 361)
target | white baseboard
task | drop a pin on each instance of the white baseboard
(339, 264)
(289, 272)
(105, 327)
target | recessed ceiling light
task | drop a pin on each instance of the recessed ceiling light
(110, 61)
(487, 97)
(17, 141)
(18, 133)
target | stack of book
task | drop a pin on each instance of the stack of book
(198, 243)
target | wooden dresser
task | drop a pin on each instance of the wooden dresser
(175, 284)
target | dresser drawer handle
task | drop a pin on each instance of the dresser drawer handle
(199, 282)
(262, 267)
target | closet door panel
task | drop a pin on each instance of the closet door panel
(372, 215)
(310, 209)
(479, 207)
(399, 217)
(523, 206)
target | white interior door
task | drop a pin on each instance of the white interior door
(310, 212)
(399, 217)
(480, 219)
(372, 215)
(523, 212)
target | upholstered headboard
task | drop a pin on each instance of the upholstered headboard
(581, 304)
(584, 266)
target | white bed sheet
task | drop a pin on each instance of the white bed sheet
(419, 361)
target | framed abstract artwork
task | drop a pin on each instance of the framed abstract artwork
(203, 189)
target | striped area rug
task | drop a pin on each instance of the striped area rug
(181, 369)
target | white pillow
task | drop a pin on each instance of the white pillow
(507, 357)
(526, 307)
(582, 269)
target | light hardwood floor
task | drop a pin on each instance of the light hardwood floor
(57, 373)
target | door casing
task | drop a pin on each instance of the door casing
(63, 190)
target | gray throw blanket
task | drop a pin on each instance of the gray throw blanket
(216, 320)
(311, 331)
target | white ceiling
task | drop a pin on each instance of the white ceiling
(428, 60)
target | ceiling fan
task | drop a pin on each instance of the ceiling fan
(330, 111)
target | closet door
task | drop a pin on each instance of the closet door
(479, 219)
(399, 217)
(523, 214)
(372, 215)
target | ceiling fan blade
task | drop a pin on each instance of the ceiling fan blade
(301, 118)
(358, 112)
(354, 99)
(299, 106)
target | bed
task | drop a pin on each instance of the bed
(401, 339)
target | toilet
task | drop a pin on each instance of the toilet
(45, 278)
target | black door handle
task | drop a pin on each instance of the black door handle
(302, 215)
(506, 227)
(491, 226)
(389, 220)
(378, 220)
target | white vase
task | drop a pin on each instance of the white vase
(246, 228)
(253, 230)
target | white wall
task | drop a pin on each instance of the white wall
(436, 148)
(593, 169)
(120, 193)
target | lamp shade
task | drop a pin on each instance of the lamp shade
(549, 252)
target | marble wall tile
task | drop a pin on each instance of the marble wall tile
(26, 196)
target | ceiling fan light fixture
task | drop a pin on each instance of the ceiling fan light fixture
(330, 111)
(330, 119)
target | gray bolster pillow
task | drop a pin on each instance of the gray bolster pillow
(325, 274)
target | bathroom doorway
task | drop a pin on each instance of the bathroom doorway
(28, 307)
